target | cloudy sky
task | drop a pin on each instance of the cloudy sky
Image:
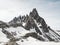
(48, 9)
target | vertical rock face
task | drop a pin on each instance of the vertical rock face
(34, 14)
(34, 21)
(31, 21)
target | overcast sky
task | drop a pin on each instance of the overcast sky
(48, 9)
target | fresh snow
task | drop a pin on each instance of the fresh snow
(32, 41)
(24, 24)
(3, 37)
(20, 32)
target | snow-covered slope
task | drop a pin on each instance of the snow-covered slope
(21, 32)
(24, 30)
(18, 31)
(3, 38)
(32, 41)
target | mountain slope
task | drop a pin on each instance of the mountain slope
(30, 26)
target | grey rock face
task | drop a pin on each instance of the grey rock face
(34, 21)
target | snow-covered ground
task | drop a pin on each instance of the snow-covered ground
(18, 30)
(21, 31)
(3, 37)
(32, 41)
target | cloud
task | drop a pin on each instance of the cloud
(48, 9)
(51, 0)
(54, 4)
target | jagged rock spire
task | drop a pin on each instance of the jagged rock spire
(34, 13)
(35, 22)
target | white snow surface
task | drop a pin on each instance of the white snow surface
(3, 37)
(32, 41)
(21, 31)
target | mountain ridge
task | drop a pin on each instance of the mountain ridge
(34, 24)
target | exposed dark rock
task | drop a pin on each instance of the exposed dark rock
(50, 39)
(9, 35)
(3, 24)
(32, 21)
(34, 35)
(39, 19)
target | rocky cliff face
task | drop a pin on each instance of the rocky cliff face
(34, 21)
(33, 24)
(30, 21)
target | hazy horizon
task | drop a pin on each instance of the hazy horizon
(48, 9)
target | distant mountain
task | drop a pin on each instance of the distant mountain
(29, 21)
(34, 21)
(32, 25)
(58, 30)
(3, 24)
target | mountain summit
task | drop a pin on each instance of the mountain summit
(32, 25)
(34, 21)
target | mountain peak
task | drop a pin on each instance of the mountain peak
(35, 25)
(34, 10)
(34, 13)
